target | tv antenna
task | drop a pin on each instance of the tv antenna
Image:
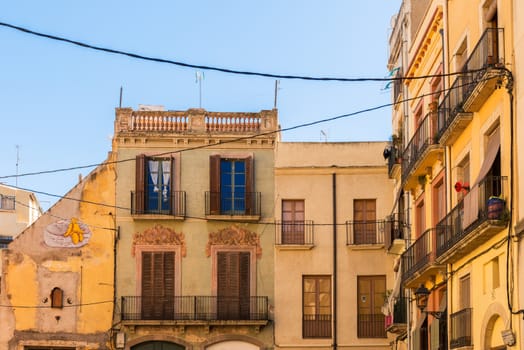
(324, 134)
(277, 87)
(199, 76)
(17, 161)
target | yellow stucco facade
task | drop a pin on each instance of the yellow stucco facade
(460, 184)
(339, 246)
(56, 291)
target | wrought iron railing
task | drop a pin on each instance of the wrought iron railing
(371, 325)
(195, 308)
(393, 229)
(316, 326)
(488, 52)
(460, 328)
(365, 232)
(479, 205)
(294, 232)
(174, 204)
(418, 255)
(424, 136)
(228, 203)
(400, 310)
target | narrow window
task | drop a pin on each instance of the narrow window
(293, 221)
(233, 285)
(465, 301)
(57, 298)
(154, 192)
(371, 294)
(316, 314)
(232, 186)
(364, 217)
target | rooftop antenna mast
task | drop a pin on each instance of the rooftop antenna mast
(199, 77)
(17, 161)
(277, 83)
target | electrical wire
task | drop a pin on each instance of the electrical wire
(222, 142)
(211, 68)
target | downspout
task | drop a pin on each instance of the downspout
(334, 181)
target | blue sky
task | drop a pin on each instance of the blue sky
(57, 100)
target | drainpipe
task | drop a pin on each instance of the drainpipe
(334, 180)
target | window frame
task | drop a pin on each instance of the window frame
(293, 231)
(317, 332)
(374, 279)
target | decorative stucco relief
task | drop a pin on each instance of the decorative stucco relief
(159, 235)
(234, 236)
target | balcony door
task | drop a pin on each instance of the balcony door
(293, 221)
(158, 285)
(365, 216)
(233, 289)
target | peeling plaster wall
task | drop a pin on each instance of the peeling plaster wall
(31, 269)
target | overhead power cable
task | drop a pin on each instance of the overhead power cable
(222, 142)
(211, 68)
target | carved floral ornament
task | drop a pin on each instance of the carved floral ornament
(159, 235)
(234, 236)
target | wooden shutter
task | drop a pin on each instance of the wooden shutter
(140, 183)
(158, 285)
(214, 184)
(250, 186)
(233, 290)
(364, 216)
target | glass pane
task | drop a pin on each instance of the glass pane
(325, 285)
(309, 285)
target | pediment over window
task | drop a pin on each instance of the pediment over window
(159, 235)
(234, 236)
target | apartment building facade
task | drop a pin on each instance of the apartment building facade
(332, 272)
(457, 114)
(194, 259)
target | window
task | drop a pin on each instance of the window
(7, 202)
(233, 289)
(316, 322)
(158, 285)
(463, 176)
(464, 289)
(461, 56)
(420, 217)
(364, 217)
(293, 221)
(371, 294)
(231, 187)
(439, 201)
(57, 298)
(155, 186)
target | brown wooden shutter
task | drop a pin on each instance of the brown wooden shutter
(250, 186)
(140, 183)
(244, 290)
(233, 290)
(147, 285)
(214, 184)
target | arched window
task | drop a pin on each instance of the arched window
(57, 298)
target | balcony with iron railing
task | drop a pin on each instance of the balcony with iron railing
(394, 233)
(473, 87)
(371, 325)
(316, 326)
(421, 152)
(294, 234)
(171, 204)
(365, 232)
(195, 310)
(418, 261)
(474, 220)
(397, 323)
(394, 161)
(460, 327)
(233, 206)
